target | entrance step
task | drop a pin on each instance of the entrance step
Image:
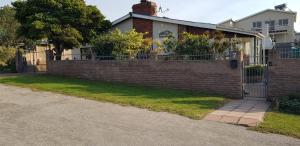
(247, 112)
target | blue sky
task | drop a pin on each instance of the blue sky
(210, 11)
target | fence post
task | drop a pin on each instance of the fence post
(49, 57)
(19, 61)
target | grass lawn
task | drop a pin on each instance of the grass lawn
(281, 123)
(189, 104)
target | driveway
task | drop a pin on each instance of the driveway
(42, 118)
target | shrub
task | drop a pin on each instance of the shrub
(7, 59)
(116, 43)
(290, 104)
(255, 70)
(194, 44)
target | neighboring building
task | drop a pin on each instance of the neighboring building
(297, 37)
(35, 59)
(144, 19)
(280, 21)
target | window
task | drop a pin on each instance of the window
(257, 24)
(271, 23)
(283, 22)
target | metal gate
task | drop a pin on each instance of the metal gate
(31, 61)
(255, 80)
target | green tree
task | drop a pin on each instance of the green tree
(194, 44)
(65, 23)
(117, 43)
(8, 38)
(8, 27)
(220, 43)
(7, 55)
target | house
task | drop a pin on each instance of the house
(143, 18)
(34, 59)
(279, 20)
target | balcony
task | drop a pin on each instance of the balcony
(273, 29)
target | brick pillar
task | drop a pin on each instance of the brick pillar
(145, 8)
(143, 26)
(181, 29)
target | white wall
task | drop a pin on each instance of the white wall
(159, 27)
(71, 54)
(271, 15)
(125, 26)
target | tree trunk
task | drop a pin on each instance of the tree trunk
(58, 52)
(93, 57)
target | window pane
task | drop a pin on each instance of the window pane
(280, 22)
(285, 22)
(258, 24)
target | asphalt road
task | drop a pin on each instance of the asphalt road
(42, 118)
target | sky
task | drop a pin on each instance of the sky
(208, 11)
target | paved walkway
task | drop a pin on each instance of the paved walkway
(42, 118)
(241, 112)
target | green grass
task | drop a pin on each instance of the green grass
(189, 104)
(281, 123)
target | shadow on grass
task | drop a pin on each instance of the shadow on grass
(94, 87)
(120, 93)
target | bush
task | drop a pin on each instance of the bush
(290, 104)
(117, 43)
(255, 70)
(194, 44)
(7, 59)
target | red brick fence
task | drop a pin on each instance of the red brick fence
(214, 76)
(210, 76)
(284, 76)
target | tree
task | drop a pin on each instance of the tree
(220, 43)
(8, 27)
(65, 23)
(7, 55)
(8, 38)
(116, 43)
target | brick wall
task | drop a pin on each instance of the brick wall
(143, 26)
(181, 29)
(145, 8)
(213, 77)
(284, 77)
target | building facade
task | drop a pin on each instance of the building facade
(280, 22)
(143, 19)
(297, 37)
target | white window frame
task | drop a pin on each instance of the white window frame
(282, 22)
(255, 24)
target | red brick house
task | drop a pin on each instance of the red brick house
(143, 18)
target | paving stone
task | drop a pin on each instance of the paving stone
(242, 112)
(230, 119)
(248, 122)
(236, 114)
(213, 117)
(220, 112)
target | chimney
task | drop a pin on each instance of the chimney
(145, 8)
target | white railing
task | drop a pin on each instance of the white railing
(273, 29)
